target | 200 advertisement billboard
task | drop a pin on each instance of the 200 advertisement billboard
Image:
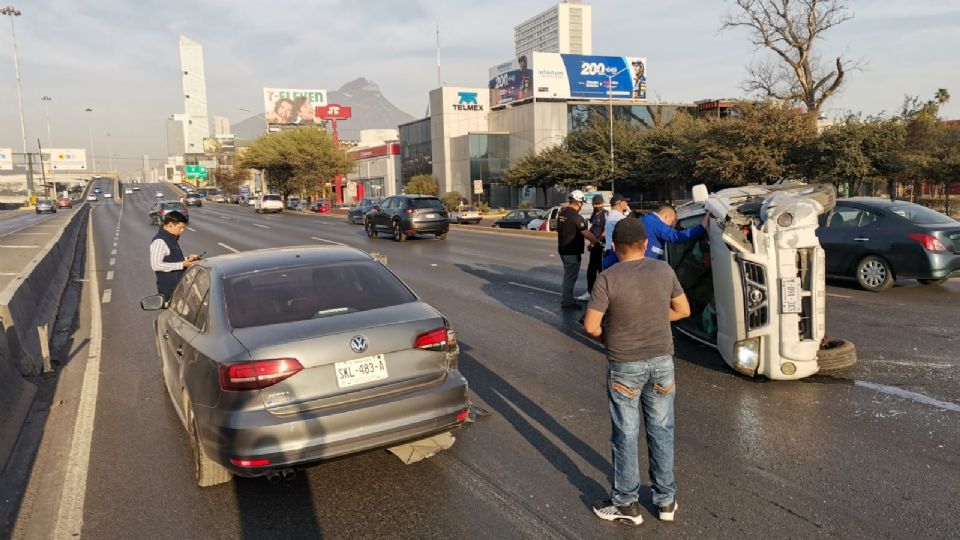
(290, 106)
(568, 76)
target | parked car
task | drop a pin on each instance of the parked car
(518, 219)
(321, 206)
(278, 359)
(219, 198)
(91, 197)
(466, 215)
(128, 191)
(268, 202)
(136, 188)
(292, 202)
(160, 209)
(193, 199)
(108, 195)
(64, 202)
(356, 212)
(408, 215)
(877, 241)
(548, 220)
(755, 282)
(46, 206)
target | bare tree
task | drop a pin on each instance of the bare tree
(790, 29)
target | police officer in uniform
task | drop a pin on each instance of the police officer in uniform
(166, 258)
(572, 230)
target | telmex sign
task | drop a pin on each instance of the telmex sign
(566, 76)
(468, 102)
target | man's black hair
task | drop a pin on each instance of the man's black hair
(174, 217)
(629, 232)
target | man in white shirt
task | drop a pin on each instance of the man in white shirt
(619, 209)
(166, 258)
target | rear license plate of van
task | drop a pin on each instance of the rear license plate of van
(790, 294)
(361, 370)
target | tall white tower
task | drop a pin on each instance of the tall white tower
(565, 28)
(194, 95)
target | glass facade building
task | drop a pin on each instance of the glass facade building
(580, 115)
(416, 153)
(489, 161)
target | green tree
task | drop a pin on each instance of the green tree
(423, 184)
(452, 199)
(667, 156)
(228, 179)
(790, 29)
(298, 161)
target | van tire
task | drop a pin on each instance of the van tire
(836, 355)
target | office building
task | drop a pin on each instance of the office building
(565, 28)
(194, 95)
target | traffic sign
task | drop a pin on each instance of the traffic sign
(477, 187)
(196, 172)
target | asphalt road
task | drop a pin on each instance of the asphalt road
(866, 455)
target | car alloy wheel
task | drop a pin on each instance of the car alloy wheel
(371, 231)
(874, 274)
(398, 232)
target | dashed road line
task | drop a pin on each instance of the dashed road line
(228, 247)
(912, 396)
(113, 261)
(16, 247)
(325, 240)
(114, 252)
(545, 310)
(107, 295)
(261, 226)
(531, 287)
(109, 275)
(835, 295)
(191, 229)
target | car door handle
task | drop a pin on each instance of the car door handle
(166, 335)
(861, 239)
(180, 350)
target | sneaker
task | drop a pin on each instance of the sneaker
(667, 512)
(628, 514)
(584, 296)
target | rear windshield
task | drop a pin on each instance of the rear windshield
(433, 204)
(468, 209)
(172, 206)
(271, 197)
(285, 295)
(193, 195)
(921, 215)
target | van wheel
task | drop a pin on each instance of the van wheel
(398, 232)
(206, 471)
(371, 231)
(874, 274)
(932, 281)
(836, 355)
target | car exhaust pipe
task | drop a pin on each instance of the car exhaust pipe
(289, 475)
(274, 477)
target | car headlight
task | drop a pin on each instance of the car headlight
(746, 355)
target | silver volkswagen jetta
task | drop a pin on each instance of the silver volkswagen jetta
(277, 359)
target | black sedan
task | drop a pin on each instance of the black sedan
(277, 359)
(356, 212)
(518, 219)
(878, 241)
(160, 209)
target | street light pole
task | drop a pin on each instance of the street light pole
(610, 78)
(110, 152)
(93, 151)
(46, 103)
(12, 12)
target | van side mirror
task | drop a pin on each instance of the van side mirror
(152, 303)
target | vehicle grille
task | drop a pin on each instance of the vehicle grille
(756, 298)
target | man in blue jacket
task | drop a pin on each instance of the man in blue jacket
(660, 230)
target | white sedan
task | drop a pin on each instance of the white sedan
(91, 197)
(159, 194)
(108, 195)
(127, 191)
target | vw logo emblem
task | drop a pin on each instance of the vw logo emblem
(358, 344)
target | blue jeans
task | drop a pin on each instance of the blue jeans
(632, 387)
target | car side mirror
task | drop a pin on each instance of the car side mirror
(152, 303)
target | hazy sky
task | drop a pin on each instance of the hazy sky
(121, 57)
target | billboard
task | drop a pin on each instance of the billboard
(6, 159)
(568, 76)
(68, 159)
(287, 106)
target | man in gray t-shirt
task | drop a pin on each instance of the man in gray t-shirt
(631, 307)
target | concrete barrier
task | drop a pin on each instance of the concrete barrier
(26, 305)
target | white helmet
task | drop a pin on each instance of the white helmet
(577, 195)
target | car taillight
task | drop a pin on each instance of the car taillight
(930, 243)
(240, 462)
(240, 376)
(438, 339)
(408, 211)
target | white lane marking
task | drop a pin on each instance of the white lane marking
(225, 217)
(8, 274)
(70, 514)
(16, 247)
(906, 363)
(545, 310)
(912, 396)
(33, 234)
(113, 261)
(107, 295)
(325, 240)
(531, 287)
(191, 229)
(838, 295)
(114, 244)
(433, 264)
(322, 222)
(228, 247)
(114, 252)
(109, 275)
(261, 226)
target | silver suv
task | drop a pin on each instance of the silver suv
(756, 281)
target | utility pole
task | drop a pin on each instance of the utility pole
(93, 151)
(46, 103)
(12, 12)
(610, 78)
